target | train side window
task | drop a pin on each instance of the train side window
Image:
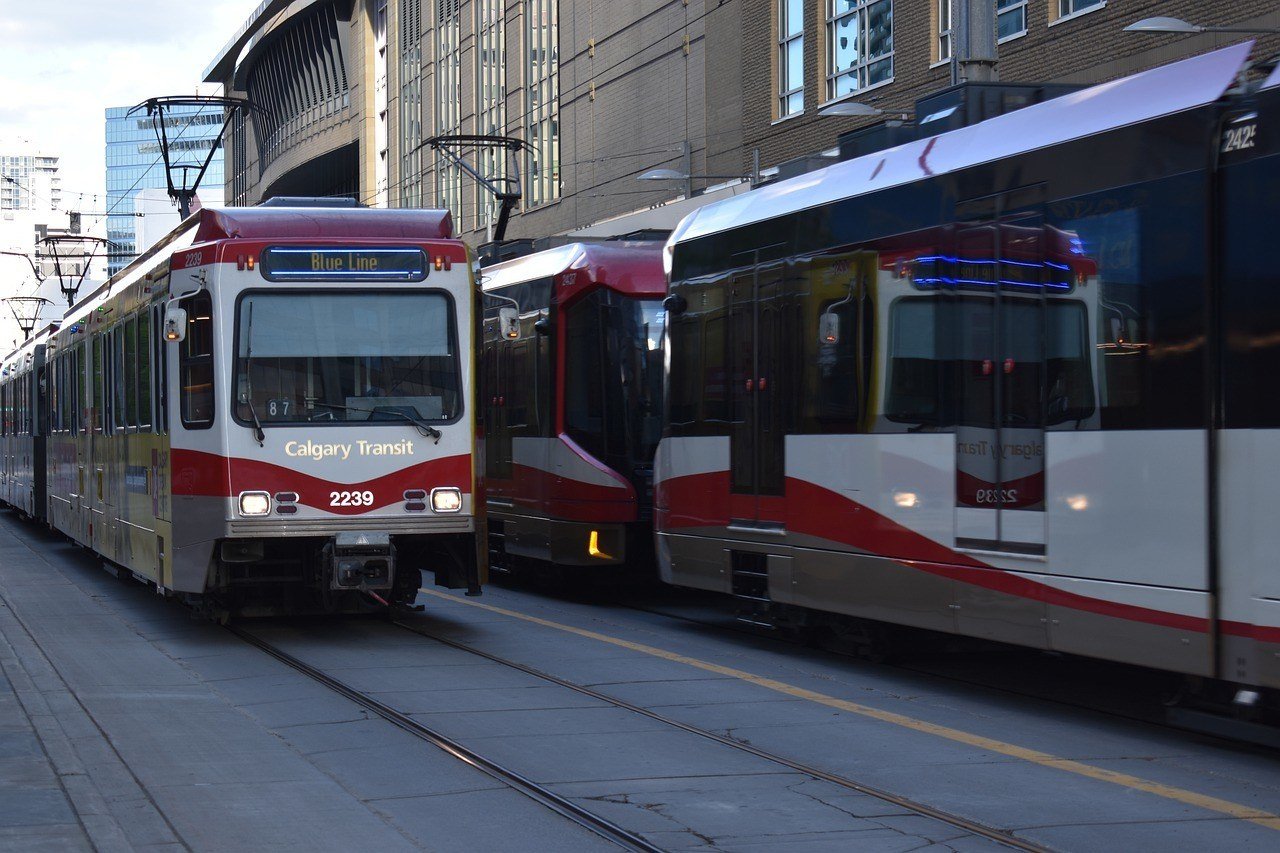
(108, 382)
(82, 363)
(1139, 264)
(68, 392)
(717, 395)
(159, 370)
(118, 384)
(584, 393)
(142, 379)
(61, 404)
(831, 371)
(64, 387)
(53, 383)
(195, 370)
(684, 335)
(129, 372)
(98, 417)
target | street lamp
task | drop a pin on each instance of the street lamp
(857, 108)
(1177, 25)
(850, 108)
(687, 175)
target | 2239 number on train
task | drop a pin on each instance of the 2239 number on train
(346, 498)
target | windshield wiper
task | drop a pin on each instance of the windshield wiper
(248, 379)
(423, 427)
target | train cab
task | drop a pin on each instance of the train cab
(273, 410)
(573, 399)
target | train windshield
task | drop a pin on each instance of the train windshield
(375, 357)
(613, 388)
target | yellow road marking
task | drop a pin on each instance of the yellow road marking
(1191, 798)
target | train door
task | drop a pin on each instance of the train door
(998, 329)
(758, 312)
(497, 430)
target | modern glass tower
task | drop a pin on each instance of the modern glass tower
(134, 163)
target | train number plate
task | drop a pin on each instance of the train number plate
(351, 498)
(1240, 137)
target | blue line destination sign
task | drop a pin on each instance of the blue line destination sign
(326, 263)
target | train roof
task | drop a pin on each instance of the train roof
(1166, 90)
(630, 267)
(316, 223)
(277, 223)
(18, 357)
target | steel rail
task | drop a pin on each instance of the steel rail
(544, 796)
(998, 835)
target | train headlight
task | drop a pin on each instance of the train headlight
(255, 503)
(446, 499)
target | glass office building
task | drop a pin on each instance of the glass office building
(134, 163)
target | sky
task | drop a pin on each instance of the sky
(63, 62)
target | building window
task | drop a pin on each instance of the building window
(1070, 7)
(448, 101)
(860, 35)
(790, 57)
(491, 101)
(1011, 18)
(943, 49)
(411, 103)
(542, 97)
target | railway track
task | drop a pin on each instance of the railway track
(567, 808)
(561, 805)
(997, 835)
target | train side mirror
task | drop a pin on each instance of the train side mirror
(675, 304)
(829, 328)
(543, 325)
(175, 324)
(509, 323)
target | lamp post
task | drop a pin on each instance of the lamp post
(686, 174)
(1177, 25)
(857, 108)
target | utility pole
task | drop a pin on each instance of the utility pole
(26, 310)
(975, 56)
(183, 178)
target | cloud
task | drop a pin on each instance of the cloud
(66, 62)
(141, 22)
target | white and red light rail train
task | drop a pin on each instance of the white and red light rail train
(1015, 381)
(573, 404)
(273, 408)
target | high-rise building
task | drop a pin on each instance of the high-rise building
(135, 162)
(28, 178)
(30, 211)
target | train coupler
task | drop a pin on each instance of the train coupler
(361, 561)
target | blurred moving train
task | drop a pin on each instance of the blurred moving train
(273, 408)
(573, 404)
(1013, 381)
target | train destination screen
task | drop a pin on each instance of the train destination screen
(300, 263)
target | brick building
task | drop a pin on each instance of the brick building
(907, 48)
(348, 91)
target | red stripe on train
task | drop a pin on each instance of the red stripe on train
(564, 498)
(196, 473)
(822, 513)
